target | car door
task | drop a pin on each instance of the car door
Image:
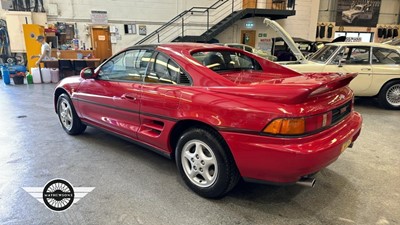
(161, 94)
(112, 100)
(353, 59)
(385, 67)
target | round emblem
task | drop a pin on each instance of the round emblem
(58, 195)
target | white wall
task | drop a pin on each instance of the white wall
(303, 24)
(389, 13)
(152, 13)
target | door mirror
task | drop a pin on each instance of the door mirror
(87, 73)
(341, 62)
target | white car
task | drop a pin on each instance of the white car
(377, 65)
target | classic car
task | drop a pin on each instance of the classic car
(358, 12)
(221, 113)
(248, 48)
(377, 65)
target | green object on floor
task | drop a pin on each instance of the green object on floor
(29, 78)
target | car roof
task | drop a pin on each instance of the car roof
(181, 46)
(380, 45)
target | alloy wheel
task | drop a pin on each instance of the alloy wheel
(199, 163)
(65, 113)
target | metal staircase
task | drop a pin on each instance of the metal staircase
(202, 24)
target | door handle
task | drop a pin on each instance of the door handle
(128, 97)
(365, 69)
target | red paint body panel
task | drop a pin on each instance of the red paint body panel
(285, 160)
(237, 104)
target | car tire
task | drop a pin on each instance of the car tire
(205, 163)
(389, 96)
(69, 120)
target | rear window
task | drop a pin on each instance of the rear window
(226, 60)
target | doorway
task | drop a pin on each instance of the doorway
(101, 43)
(248, 37)
(249, 4)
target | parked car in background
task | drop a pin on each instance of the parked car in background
(221, 113)
(377, 65)
(283, 52)
(248, 48)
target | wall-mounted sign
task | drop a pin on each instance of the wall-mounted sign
(360, 13)
(353, 39)
(99, 17)
(142, 30)
(130, 28)
(249, 24)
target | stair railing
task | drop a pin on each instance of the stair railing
(180, 20)
(197, 20)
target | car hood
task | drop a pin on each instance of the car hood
(287, 38)
(294, 89)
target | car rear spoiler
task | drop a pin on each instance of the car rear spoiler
(286, 37)
(291, 90)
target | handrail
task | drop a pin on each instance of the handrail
(196, 17)
(192, 10)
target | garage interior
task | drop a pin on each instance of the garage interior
(133, 185)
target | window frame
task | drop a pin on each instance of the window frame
(151, 69)
(386, 49)
(332, 61)
(124, 54)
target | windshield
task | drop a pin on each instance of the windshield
(323, 54)
(226, 60)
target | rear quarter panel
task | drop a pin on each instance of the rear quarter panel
(381, 75)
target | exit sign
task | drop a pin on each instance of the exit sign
(249, 25)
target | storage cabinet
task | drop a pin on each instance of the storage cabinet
(15, 20)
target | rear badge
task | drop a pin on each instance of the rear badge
(344, 109)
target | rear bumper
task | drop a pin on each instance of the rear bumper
(286, 160)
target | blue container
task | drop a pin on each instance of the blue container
(16, 68)
(6, 74)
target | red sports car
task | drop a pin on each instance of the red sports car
(221, 113)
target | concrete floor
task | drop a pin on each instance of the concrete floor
(136, 186)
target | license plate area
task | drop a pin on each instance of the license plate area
(345, 145)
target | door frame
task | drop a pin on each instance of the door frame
(242, 32)
(93, 41)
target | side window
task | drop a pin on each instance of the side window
(357, 55)
(385, 56)
(339, 56)
(164, 70)
(127, 66)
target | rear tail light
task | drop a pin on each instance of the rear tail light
(298, 126)
(287, 126)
